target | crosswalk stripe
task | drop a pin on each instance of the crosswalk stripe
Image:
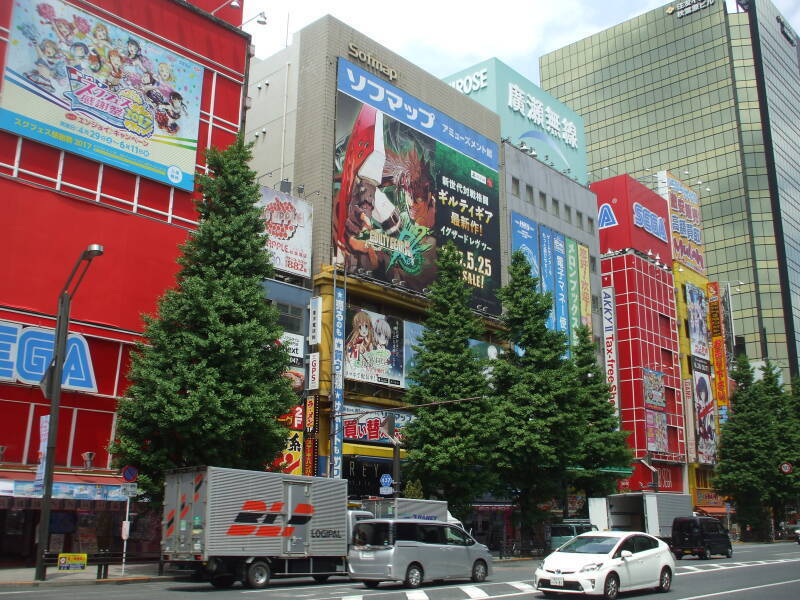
(691, 568)
(416, 595)
(474, 592)
(352, 597)
(521, 586)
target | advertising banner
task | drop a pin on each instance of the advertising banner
(654, 389)
(727, 329)
(363, 423)
(339, 301)
(312, 414)
(686, 222)
(77, 82)
(573, 284)
(407, 179)
(561, 297)
(374, 348)
(314, 367)
(287, 223)
(44, 432)
(688, 411)
(656, 426)
(411, 334)
(290, 461)
(296, 373)
(586, 286)
(705, 419)
(697, 309)
(718, 358)
(609, 318)
(310, 456)
(548, 269)
(525, 238)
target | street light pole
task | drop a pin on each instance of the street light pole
(51, 385)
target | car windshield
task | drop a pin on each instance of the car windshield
(590, 544)
(371, 534)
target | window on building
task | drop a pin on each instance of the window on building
(595, 303)
(568, 213)
(515, 187)
(290, 317)
(542, 200)
(529, 193)
(593, 264)
(579, 220)
(555, 207)
(590, 224)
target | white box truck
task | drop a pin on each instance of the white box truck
(651, 512)
(250, 526)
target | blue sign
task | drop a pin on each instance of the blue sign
(401, 106)
(26, 352)
(337, 451)
(649, 221)
(606, 217)
(525, 238)
(548, 269)
(386, 480)
(561, 296)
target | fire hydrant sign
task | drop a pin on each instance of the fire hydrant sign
(71, 562)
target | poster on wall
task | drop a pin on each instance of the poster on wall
(686, 221)
(573, 285)
(704, 412)
(654, 389)
(656, 425)
(548, 269)
(585, 284)
(374, 348)
(688, 411)
(525, 238)
(363, 423)
(408, 178)
(287, 223)
(697, 310)
(82, 84)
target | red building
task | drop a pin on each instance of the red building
(106, 107)
(640, 329)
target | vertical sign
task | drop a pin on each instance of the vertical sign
(548, 269)
(44, 433)
(315, 320)
(705, 421)
(338, 382)
(573, 283)
(610, 342)
(561, 295)
(585, 284)
(688, 411)
(313, 371)
(718, 357)
(525, 238)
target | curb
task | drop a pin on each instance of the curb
(109, 581)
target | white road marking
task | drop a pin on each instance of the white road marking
(352, 597)
(690, 568)
(522, 586)
(474, 592)
(720, 567)
(747, 589)
(416, 595)
(25, 592)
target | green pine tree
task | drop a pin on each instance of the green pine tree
(447, 442)
(207, 387)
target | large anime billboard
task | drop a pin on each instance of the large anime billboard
(697, 309)
(374, 348)
(287, 223)
(407, 179)
(686, 222)
(704, 410)
(82, 84)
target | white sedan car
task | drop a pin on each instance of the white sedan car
(604, 563)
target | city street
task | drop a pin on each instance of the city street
(756, 571)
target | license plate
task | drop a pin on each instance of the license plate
(367, 556)
(557, 581)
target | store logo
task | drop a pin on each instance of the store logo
(649, 221)
(688, 7)
(606, 217)
(371, 61)
(256, 519)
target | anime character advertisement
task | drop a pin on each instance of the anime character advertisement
(697, 308)
(287, 223)
(374, 348)
(407, 179)
(705, 419)
(82, 84)
(656, 429)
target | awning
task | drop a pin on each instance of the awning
(68, 486)
(716, 511)
(374, 451)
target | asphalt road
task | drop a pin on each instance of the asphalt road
(756, 572)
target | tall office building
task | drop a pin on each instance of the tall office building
(714, 96)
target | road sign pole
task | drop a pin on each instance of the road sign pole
(127, 526)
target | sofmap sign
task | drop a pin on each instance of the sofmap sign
(368, 59)
(26, 352)
(82, 84)
(609, 317)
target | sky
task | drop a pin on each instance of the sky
(444, 37)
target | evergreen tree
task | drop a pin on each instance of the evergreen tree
(207, 387)
(447, 442)
(602, 443)
(534, 404)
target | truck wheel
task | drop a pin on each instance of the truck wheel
(664, 580)
(321, 578)
(611, 587)
(223, 581)
(370, 584)
(479, 571)
(729, 552)
(703, 554)
(414, 576)
(257, 574)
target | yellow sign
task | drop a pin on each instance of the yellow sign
(71, 562)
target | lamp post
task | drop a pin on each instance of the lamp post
(51, 386)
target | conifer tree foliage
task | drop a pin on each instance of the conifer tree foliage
(207, 387)
(447, 443)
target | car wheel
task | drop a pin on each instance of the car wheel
(703, 554)
(321, 578)
(729, 552)
(257, 575)
(665, 580)
(611, 587)
(371, 584)
(414, 576)
(479, 571)
(223, 581)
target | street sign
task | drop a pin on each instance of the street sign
(787, 468)
(71, 562)
(130, 473)
(126, 530)
(386, 480)
(385, 490)
(129, 489)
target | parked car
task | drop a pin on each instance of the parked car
(701, 536)
(414, 551)
(605, 564)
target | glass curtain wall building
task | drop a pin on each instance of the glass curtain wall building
(714, 97)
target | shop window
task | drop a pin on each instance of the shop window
(290, 317)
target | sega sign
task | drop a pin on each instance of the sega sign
(26, 352)
(649, 221)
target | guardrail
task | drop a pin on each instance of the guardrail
(100, 559)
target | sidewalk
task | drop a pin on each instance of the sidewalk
(134, 573)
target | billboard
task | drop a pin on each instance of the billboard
(407, 178)
(704, 412)
(609, 319)
(337, 450)
(82, 84)
(363, 423)
(411, 334)
(685, 220)
(697, 310)
(573, 284)
(719, 360)
(585, 283)
(654, 389)
(374, 348)
(656, 430)
(287, 223)
(525, 238)
(548, 269)
(296, 373)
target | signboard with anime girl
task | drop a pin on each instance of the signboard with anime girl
(373, 348)
(77, 82)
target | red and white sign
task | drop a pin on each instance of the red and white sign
(287, 223)
(609, 322)
(313, 371)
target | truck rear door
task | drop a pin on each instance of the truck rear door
(300, 513)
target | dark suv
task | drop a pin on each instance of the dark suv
(701, 536)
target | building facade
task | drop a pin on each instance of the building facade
(712, 96)
(105, 111)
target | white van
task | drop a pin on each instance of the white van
(414, 551)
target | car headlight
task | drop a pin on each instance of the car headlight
(591, 567)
